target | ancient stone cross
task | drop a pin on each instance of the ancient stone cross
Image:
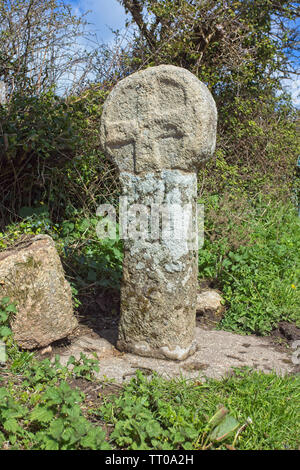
(159, 126)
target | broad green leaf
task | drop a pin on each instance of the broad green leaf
(218, 417)
(41, 414)
(227, 426)
(56, 428)
(11, 308)
(11, 425)
(4, 331)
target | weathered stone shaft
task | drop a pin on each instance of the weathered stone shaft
(158, 294)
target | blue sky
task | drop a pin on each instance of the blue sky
(104, 16)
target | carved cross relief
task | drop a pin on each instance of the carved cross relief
(155, 137)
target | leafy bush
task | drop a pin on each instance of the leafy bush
(43, 411)
(93, 260)
(49, 153)
(55, 423)
(35, 130)
(88, 261)
(252, 254)
(231, 48)
(166, 414)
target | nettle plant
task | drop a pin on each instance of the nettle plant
(252, 256)
(55, 423)
(43, 411)
(7, 309)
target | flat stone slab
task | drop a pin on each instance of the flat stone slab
(218, 352)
